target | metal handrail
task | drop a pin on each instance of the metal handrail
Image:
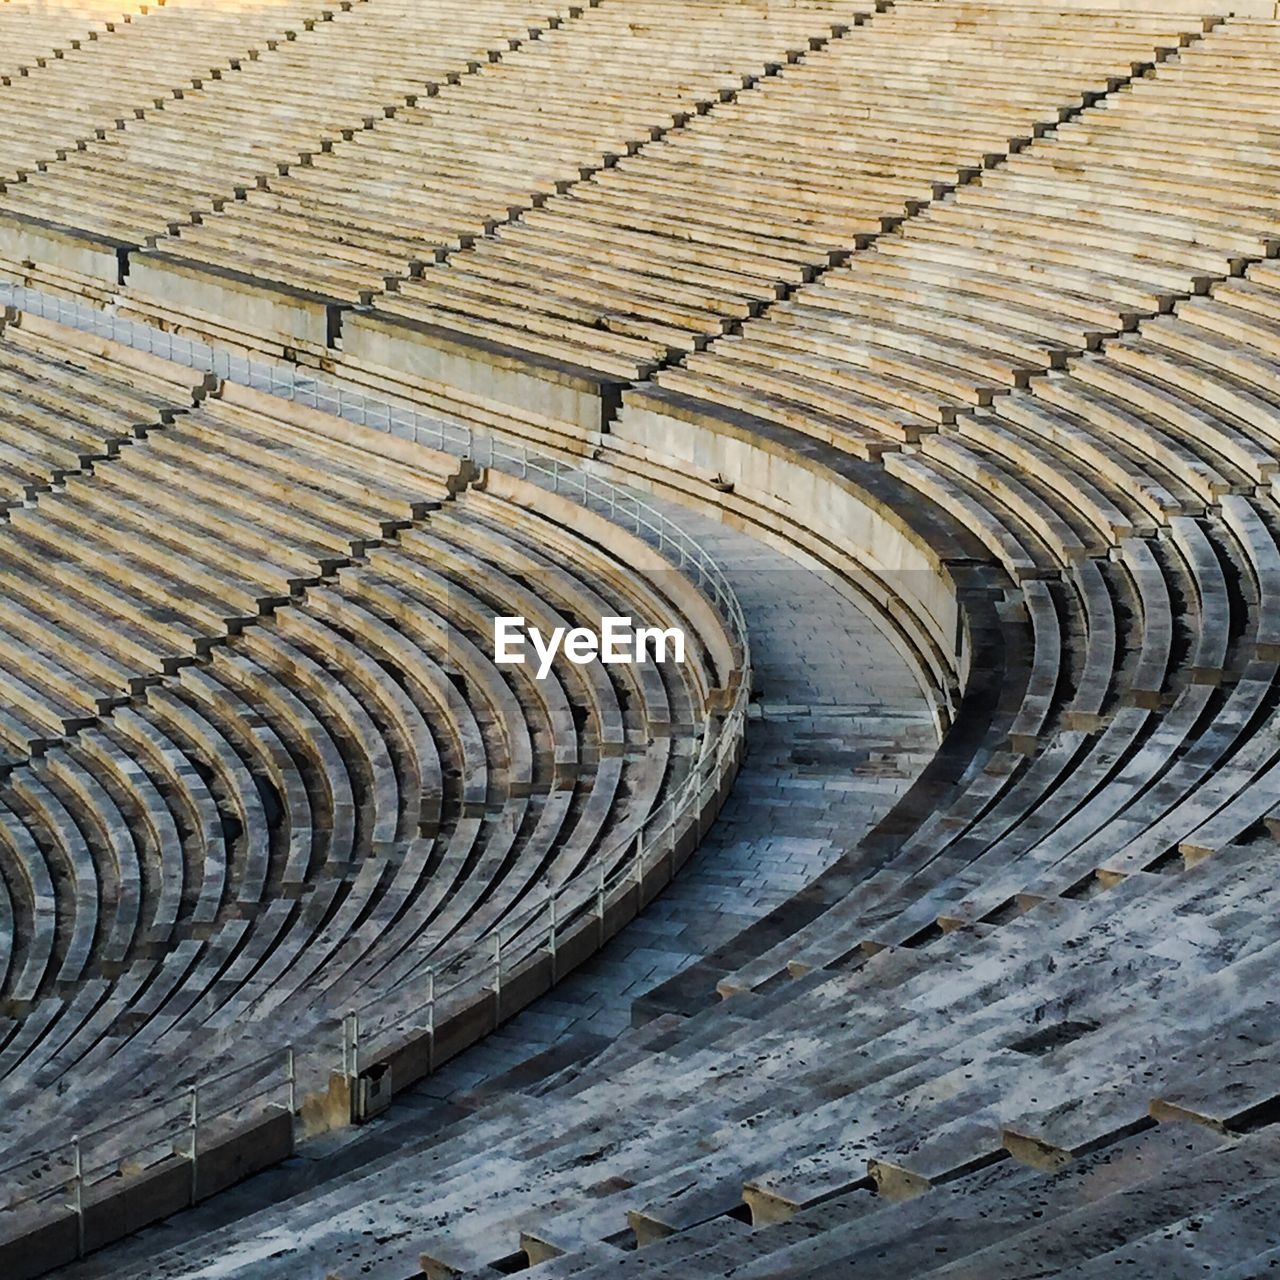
(564, 908)
(67, 1168)
(540, 924)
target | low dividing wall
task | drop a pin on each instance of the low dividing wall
(37, 253)
(846, 513)
(24, 239)
(118, 1206)
(182, 294)
(399, 348)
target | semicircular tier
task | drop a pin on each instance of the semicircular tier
(1027, 1025)
(306, 782)
(1030, 1025)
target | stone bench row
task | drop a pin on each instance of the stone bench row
(549, 780)
(1149, 810)
(190, 156)
(33, 34)
(1174, 418)
(484, 759)
(133, 576)
(990, 246)
(948, 1128)
(577, 282)
(68, 405)
(766, 1201)
(457, 164)
(96, 89)
(1136, 1224)
(723, 1082)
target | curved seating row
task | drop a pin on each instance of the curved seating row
(651, 259)
(1006, 1086)
(1042, 974)
(455, 165)
(343, 793)
(67, 405)
(1034, 1028)
(121, 572)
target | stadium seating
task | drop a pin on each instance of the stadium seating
(209, 145)
(1071, 240)
(983, 1146)
(148, 61)
(66, 405)
(1002, 1049)
(680, 245)
(263, 768)
(1000, 350)
(34, 35)
(453, 166)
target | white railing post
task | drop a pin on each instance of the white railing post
(291, 1080)
(431, 1019)
(193, 1123)
(551, 936)
(77, 1191)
